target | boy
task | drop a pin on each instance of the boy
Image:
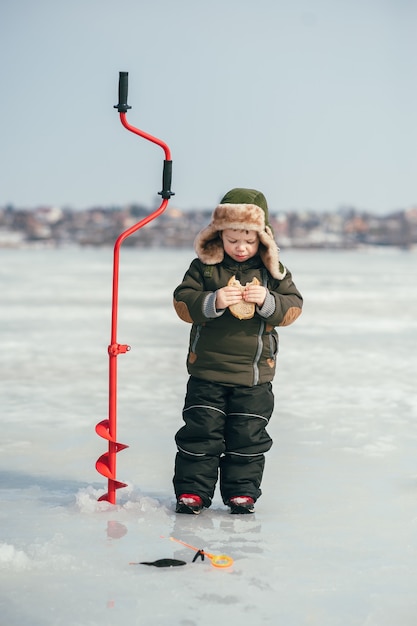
(233, 294)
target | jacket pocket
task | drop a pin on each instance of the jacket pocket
(273, 348)
(195, 336)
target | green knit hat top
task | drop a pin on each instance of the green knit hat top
(239, 195)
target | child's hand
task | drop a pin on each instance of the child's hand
(255, 294)
(228, 295)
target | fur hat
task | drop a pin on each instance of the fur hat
(240, 209)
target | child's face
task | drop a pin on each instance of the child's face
(241, 245)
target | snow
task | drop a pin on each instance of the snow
(333, 541)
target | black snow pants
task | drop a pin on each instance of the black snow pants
(224, 433)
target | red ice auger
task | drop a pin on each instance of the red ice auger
(106, 464)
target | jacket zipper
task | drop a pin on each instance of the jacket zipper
(260, 334)
(258, 354)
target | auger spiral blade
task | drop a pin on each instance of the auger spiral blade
(106, 463)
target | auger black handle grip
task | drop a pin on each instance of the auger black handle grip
(123, 106)
(166, 192)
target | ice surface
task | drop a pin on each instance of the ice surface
(334, 538)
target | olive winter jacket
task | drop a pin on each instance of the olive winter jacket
(225, 349)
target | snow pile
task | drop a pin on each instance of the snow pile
(13, 559)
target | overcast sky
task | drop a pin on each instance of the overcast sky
(314, 102)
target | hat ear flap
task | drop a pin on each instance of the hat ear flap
(268, 229)
(269, 253)
(209, 245)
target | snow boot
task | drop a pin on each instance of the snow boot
(189, 503)
(241, 505)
